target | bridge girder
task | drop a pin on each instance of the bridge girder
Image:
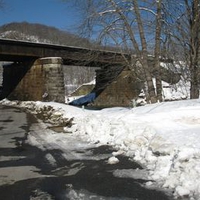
(13, 50)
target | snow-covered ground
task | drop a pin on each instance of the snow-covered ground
(164, 138)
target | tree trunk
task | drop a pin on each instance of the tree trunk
(194, 50)
(144, 54)
(157, 52)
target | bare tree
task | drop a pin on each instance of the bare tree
(184, 38)
(133, 26)
(194, 19)
(144, 53)
(157, 50)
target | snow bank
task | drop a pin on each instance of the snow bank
(163, 137)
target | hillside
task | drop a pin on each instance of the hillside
(41, 33)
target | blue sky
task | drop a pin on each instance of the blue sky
(49, 12)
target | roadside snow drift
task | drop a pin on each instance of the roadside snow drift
(163, 137)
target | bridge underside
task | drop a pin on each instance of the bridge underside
(43, 80)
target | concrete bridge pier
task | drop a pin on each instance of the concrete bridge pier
(41, 80)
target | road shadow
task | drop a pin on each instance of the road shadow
(92, 174)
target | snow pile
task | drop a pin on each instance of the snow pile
(163, 137)
(178, 91)
(113, 160)
(46, 112)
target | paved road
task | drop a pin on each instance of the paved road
(25, 173)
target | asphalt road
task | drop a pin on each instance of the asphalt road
(25, 173)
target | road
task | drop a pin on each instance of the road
(31, 173)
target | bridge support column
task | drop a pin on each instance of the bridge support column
(44, 81)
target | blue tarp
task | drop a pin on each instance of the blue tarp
(89, 98)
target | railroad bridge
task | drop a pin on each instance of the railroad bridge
(36, 72)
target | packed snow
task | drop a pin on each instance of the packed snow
(163, 137)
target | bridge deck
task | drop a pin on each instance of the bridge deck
(13, 50)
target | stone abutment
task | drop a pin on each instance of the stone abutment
(39, 80)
